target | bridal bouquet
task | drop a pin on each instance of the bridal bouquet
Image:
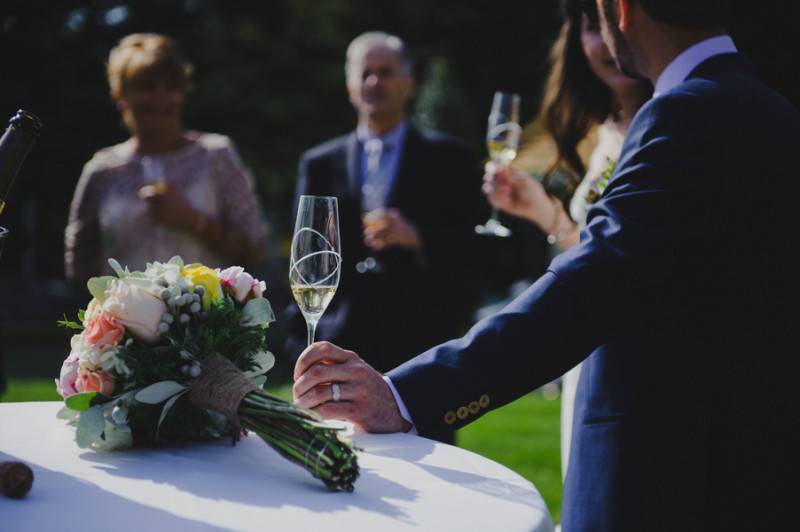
(178, 353)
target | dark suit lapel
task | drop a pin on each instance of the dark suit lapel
(404, 180)
(353, 166)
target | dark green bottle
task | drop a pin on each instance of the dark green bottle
(22, 132)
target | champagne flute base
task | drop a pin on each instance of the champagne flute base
(493, 228)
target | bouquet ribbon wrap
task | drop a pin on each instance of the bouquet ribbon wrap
(221, 386)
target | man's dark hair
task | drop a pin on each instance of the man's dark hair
(698, 14)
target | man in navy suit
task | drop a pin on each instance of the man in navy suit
(681, 293)
(410, 275)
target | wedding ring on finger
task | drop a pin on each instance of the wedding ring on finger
(336, 392)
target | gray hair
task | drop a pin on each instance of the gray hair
(359, 46)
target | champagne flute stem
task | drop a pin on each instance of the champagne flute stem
(311, 325)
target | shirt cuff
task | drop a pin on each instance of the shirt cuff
(401, 405)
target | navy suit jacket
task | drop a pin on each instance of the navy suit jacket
(422, 297)
(681, 295)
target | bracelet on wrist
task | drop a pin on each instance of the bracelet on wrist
(560, 231)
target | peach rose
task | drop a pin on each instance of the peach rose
(134, 303)
(104, 330)
(95, 381)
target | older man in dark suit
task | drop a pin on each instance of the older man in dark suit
(408, 201)
(681, 293)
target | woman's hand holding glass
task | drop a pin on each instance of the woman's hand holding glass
(515, 192)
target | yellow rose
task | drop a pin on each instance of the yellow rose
(208, 279)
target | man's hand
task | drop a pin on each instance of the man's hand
(365, 399)
(385, 228)
(515, 192)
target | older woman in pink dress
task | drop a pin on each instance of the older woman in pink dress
(166, 190)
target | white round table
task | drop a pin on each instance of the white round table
(406, 482)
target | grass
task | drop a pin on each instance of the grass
(523, 436)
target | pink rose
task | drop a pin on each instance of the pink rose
(240, 283)
(95, 381)
(104, 330)
(66, 382)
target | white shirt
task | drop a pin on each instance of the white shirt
(680, 67)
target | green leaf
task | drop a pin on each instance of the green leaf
(84, 401)
(259, 381)
(97, 286)
(90, 426)
(176, 260)
(167, 407)
(160, 391)
(81, 315)
(257, 312)
(264, 361)
(69, 324)
(117, 267)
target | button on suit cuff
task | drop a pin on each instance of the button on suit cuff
(401, 406)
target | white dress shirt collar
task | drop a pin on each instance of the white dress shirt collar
(393, 137)
(680, 67)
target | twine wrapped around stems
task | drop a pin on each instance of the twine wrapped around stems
(298, 434)
(221, 386)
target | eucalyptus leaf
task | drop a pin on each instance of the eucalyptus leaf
(176, 260)
(167, 407)
(117, 267)
(67, 414)
(264, 361)
(119, 415)
(155, 393)
(97, 286)
(257, 311)
(90, 426)
(259, 381)
(83, 401)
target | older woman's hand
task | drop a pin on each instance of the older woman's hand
(169, 207)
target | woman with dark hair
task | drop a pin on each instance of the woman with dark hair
(586, 99)
(166, 190)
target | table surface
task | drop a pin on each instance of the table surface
(406, 482)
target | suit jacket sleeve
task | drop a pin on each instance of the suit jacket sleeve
(620, 277)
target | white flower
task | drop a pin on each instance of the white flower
(88, 356)
(136, 303)
(93, 309)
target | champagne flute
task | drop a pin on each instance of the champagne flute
(316, 257)
(502, 140)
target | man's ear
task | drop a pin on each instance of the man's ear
(625, 11)
(411, 87)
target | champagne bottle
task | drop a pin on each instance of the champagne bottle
(22, 132)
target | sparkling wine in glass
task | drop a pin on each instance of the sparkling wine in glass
(502, 141)
(316, 257)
